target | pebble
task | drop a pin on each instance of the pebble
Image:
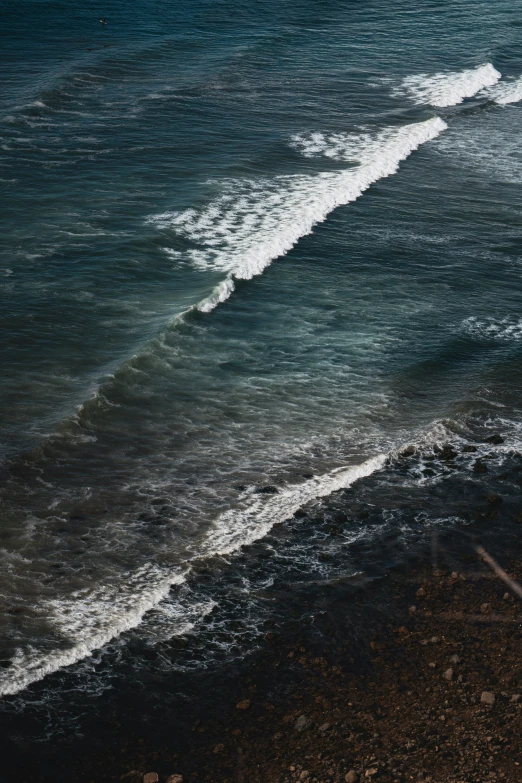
(454, 659)
(243, 705)
(151, 777)
(301, 723)
(370, 772)
(304, 775)
(351, 776)
(487, 697)
(515, 697)
(175, 779)
(448, 674)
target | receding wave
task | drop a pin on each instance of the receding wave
(254, 222)
(448, 89)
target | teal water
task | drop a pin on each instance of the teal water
(257, 246)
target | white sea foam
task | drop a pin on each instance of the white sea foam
(506, 92)
(220, 294)
(448, 89)
(254, 222)
(90, 619)
(234, 529)
(87, 620)
(494, 328)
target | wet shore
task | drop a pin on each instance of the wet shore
(413, 676)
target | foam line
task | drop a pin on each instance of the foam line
(90, 619)
(448, 89)
(253, 223)
(234, 529)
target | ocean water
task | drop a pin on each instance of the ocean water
(253, 254)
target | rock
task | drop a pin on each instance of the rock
(304, 775)
(351, 776)
(243, 705)
(454, 659)
(370, 772)
(479, 467)
(151, 777)
(324, 727)
(269, 489)
(448, 674)
(447, 453)
(506, 597)
(412, 609)
(515, 697)
(487, 698)
(175, 779)
(420, 592)
(484, 608)
(219, 748)
(302, 723)
(496, 440)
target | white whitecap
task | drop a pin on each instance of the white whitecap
(254, 222)
(509, 91)
(448, 89)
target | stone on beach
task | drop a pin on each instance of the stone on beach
(351, 776)
(301, 723)
(243, 705)
(151, 777)
(487, 697)
(175, 779)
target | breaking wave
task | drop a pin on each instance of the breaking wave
(448, 89)
(507, 92)
(254, 222)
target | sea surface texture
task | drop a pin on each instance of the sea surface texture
(253, 253)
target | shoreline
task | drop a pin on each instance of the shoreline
(386, 685)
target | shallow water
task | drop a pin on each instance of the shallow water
(251, 254)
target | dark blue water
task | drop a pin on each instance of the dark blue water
(250, 253)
